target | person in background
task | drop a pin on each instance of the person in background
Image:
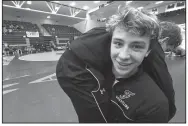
(4, 30)
(170, 36)
(67, 45)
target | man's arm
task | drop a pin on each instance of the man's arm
(157, 69)
(157, 113)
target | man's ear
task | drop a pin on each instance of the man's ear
(147, 53)
(161, 41)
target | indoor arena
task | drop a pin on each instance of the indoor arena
(35, 35)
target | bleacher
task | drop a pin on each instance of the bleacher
(14, 31)
(41, 39)
(18, 26)
(14, 39)
(61, 31)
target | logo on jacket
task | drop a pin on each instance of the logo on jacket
(102, 91)
(127, 94)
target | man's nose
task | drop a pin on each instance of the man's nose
(124, 53)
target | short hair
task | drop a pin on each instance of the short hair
(135, 21)
(171, 30)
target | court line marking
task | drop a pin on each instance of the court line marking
(7, 60)
(9, 85)
(44, 79)
(9, 91)
(15, 77)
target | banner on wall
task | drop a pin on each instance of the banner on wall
(32, 34)
(75, 37)
(62, 40)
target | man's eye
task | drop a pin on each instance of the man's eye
(118, 44)
(137, 47)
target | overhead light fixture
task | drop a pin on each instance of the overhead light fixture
(56, 1)
(53, 12)
(85, 7)
(48, 16)
(56, 8)
(29, 2)
(158, 2)
(140, 8)
(28, 8)
(73, 4)
(128, 2)
(18, 6)
(96, 2)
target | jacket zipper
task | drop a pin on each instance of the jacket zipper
(96, 91)
(115, 82)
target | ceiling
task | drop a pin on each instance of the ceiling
(31, 16)
(112, 8)
(42, 6)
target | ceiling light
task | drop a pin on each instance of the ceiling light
(96, 2)
(128, 2)
(29, 2)
(18, 6)
(48, 16)
(53, 12)
(158, 2)
(85, 7)
(56, 1)
(28, 8)
(73, 4)
(140, 8)
(56, 8)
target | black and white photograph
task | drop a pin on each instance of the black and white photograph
(75, 62)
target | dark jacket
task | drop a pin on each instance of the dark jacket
(156, 67)
(75, 70)
(82, 73)
(137, 99)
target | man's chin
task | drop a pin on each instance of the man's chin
(122, 73)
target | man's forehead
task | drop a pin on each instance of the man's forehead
(127, 36)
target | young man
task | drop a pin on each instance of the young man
(134, 33)
(105, 79)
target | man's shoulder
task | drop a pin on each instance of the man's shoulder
(156, 53)
(152, 94)
(152, 88)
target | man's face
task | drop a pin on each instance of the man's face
(167, 47)
(127, 51)
(164, 44)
